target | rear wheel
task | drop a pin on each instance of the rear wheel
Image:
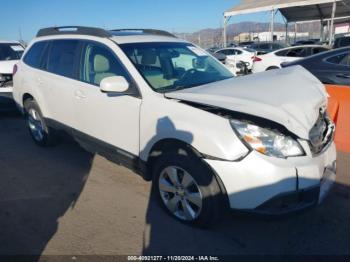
(187, 189)
(38, 129)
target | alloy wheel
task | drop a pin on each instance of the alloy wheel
(35, 124)
(180, 193)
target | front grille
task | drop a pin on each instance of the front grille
(321, 134)
(5, 80)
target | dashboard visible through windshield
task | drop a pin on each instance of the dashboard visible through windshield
(172, 66)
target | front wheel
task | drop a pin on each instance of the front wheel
(188, 189)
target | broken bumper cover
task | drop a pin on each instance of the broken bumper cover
(302, 199)
(268, 185)
(290, 202)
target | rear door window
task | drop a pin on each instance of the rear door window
(227, 52)
(281, 53)
(62, 57)
(34, 54)
(343, 59)
(297, 52)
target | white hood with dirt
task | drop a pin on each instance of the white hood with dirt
(291, 97)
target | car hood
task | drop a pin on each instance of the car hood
(291, 97)
(6, 67)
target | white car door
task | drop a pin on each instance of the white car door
(57, 80)
(108, 121)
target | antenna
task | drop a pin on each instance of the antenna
(20, 34)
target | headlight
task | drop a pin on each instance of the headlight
(266, 141)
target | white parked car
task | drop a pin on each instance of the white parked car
(273, 60)
(236, 54)
(171, 112)
(10, 53)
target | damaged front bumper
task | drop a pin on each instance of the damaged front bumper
(267, 185)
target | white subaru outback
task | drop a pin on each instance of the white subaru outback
(171, 112)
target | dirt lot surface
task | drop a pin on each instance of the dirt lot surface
(63, 200)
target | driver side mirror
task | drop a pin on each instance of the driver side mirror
(114, 84)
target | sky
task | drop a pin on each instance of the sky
(28, 16)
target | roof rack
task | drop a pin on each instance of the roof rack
(94, 31)
(145, 31)
(73, 30)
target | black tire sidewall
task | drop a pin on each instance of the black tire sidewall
(205, 178)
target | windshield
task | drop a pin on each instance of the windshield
(173, 66)
(10, 51)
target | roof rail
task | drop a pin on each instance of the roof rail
(146, 31)
(73, 30)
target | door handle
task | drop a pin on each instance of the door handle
(343, 76)
(79, 94)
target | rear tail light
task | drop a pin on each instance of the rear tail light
(14, 71)
(256, 59)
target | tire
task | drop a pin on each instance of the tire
(272, 68)
(42, 135)
(207, 211)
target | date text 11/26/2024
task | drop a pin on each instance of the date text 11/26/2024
(173, 258)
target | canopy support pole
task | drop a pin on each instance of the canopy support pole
(224, 32)
(331, 30)
(295, 32)
(272, 23)
(327, 38)
(321, 31)
(287, 33)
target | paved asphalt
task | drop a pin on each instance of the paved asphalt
(63, 200)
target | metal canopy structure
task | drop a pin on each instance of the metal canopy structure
(294, 11)
(316, 11)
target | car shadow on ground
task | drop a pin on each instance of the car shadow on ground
(32, 201)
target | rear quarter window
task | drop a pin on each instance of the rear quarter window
(34, 54)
